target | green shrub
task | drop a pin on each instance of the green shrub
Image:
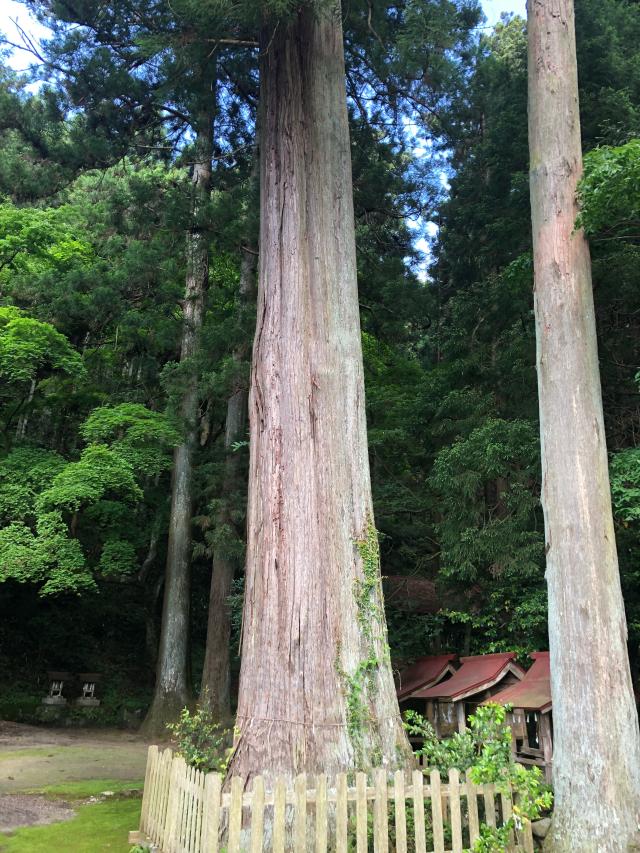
(484, 752)
(201, 740)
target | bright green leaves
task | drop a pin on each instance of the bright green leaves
(48, 556)
(62, 557)
(483, 751)
(20, 555)
(100, 472)
(30, 348)
(33, 239)
(609, 192)
(65, 520)
(141, 437)
(24, 474)
(624, 471)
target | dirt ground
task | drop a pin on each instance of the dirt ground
(34, 757)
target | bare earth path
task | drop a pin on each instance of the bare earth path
(33, 757)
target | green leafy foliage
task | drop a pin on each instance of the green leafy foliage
(609, 191)
(483, 751)
(134, 433)
(100, 472)
(624, 470)
(201, 740)
(28, 346)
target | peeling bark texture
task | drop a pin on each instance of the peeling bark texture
(316, 687)
(596, 770)
(172, 690)
(216, 678)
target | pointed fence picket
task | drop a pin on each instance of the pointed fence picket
(187, 811)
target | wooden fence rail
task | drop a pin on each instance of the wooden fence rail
(186, 811)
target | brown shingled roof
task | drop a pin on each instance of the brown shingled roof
(476, 674)
(425, 672)
(533, 693)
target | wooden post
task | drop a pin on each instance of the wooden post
(341, 813)
(436, 813)
(321, 814)
(235, 813)
(300, 816)
(152, 758)
(400, 812)
(279, 807)
(472, 808)
(462, 716)
(380, 814)
(173, 804)
(257, 814)
(361, 813)
(489, 805)
(418, 811)
(211, 815)
(456, 813)
(546, 744)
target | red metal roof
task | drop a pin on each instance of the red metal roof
(425, 672)
(533, 693)
(476, 674)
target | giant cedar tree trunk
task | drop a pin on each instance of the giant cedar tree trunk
(596, 769)
(216, 679)
(172, 690)
(316, 690)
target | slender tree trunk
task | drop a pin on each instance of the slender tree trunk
(316, 688)
(596, 770)
(172, 691)
(216, 677)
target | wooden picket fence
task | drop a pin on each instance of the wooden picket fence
(186, 811)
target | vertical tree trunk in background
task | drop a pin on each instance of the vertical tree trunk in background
(316, 688)
(596, 762)
(216, 677)
(172, 690)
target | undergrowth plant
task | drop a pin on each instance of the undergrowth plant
(483, 751)
(201, 740)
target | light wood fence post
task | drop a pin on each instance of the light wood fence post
(341, 813)
(257, 815)
(472, 809)
(211, 812)
(400, 811)
(436, 812)
(456, 812)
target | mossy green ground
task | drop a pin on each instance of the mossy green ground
(97, 826)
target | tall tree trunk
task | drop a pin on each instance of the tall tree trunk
(172, 690)
(216, 677)
(596, 770)
(316, 688)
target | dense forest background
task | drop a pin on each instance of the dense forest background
(95, 203)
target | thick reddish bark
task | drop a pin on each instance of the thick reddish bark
(596, 763)
(316, 688)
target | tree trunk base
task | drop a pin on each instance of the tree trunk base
(164, 711)
(610, 838)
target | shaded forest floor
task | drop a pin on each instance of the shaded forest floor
(86, 781)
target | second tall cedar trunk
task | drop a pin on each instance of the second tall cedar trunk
(216, 674)
(596, 770)
(316, 690)
(172, 690)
